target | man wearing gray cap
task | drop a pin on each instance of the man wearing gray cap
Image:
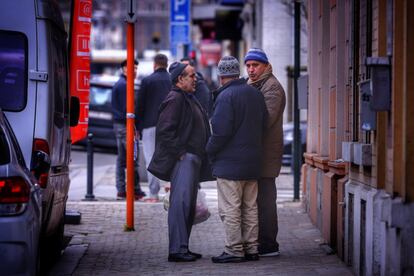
(181, 135)
(235, 147)
(262, 78)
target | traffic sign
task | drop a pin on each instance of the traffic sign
(179, 24)
(180, 11)
(131, 15)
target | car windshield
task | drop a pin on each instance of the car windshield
(13, 64)
(100, 95)
(4, 148)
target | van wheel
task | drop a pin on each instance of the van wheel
(56, 241)
(51, 247)
(38, 267)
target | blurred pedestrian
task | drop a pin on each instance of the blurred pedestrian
(261, 77)
(202, 92)
(182, 132)
(119, 116)
(152, 92)
(235, 148)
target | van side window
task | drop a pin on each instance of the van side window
(59, 63)
(13, 71)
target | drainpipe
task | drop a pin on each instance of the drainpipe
(296, 114)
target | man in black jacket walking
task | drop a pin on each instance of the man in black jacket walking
(152, 92)
(181, 136)
(119, 116)
(238, 122)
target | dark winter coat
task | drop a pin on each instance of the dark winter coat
(173, 131)
(202, 93)
(118, 101)
(238, 121)
(152, 92)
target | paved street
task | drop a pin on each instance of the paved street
(99, 245)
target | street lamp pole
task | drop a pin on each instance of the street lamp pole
(130, 116)
(296, 114)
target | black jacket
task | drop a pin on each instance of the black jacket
(152, 92)
(118, 100)
(173, 130)
(202, 93)
(238, 121)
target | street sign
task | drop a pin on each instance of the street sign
(179, 24)
(180, 11)
(131, 15)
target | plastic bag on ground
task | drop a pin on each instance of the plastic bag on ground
(201, 213)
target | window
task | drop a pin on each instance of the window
(59, 71)
(15, 144)
(4, 149)
(13, 71)
(100, 96)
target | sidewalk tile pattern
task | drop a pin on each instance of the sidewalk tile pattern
(111, 251)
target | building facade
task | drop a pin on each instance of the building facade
(358, 178)
(151, 28)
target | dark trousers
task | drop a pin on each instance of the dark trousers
(120, 133)
(267, 209)
(183, 198)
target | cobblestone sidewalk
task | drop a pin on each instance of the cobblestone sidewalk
(99, 246)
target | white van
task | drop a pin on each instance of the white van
(35, 97)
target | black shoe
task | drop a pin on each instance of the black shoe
(121, 195)
(140, 193)
(227, 258)
(181, 257)
(252, 257)
(197, 255)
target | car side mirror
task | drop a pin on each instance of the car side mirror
(41, 166)
(74, 111)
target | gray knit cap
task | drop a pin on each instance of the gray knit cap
(228, 67)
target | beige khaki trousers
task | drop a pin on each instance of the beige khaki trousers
(238, 211)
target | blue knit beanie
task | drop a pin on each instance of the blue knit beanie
(256, 54)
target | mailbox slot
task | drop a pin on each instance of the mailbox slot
(380, 83)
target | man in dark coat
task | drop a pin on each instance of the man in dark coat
(181, 135)
(238, 121)
(152, 93)
(119, 116)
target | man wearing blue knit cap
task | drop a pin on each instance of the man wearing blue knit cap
(261, 77)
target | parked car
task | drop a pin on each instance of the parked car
(20, 208)
(288, 141)
(100, 122)
(34, 95)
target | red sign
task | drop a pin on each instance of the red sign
(80, 63)
(210, 53)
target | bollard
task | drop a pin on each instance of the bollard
(89, 188)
